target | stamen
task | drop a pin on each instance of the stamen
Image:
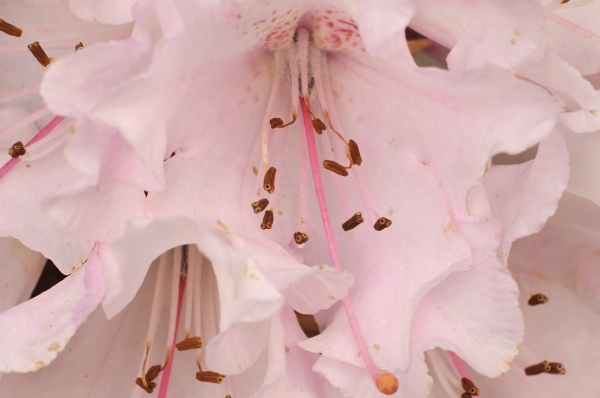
(270, 103)
(300, 238)
(303, 38)
(19, 93)
(25, 121)
(354, 153)
(267, 222)
(197, 283)
(353, 222)
(8, 166)
(460, 366)
(537, 299)
(335, 167)
(384, 381)
(17, 150)
(187, 344)
(39, 53)
(574, 27)
(10, 29)
(149, 387)
(260, 205)
(557, 368)
(445, 376)
(469, 386)
(542, 367)
(465, 395)
(210, 377)
(269, 182)
(164, 384)
(382, 223)
(78, 46)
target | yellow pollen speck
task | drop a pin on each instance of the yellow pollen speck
(97, 189)
(376, 347)
(28, 166)
(38, 365)
(240, 367)
(287, 349)
(280, 213)
(332, 298)
(512, 41)
(255, 170)
(321, 266)
(54, 347)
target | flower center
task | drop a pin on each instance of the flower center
(185, 267)
(308, 75)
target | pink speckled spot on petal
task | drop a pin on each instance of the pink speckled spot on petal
(276, 31)
(336, 30)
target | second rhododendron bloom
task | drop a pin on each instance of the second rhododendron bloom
(255, 100)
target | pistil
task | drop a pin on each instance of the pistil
(385, 382)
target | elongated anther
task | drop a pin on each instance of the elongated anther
(335, 167)
(78, 46)
(210, 377)
(465, 395)
(10, 29)
(319, 126)
(382, 223)
(39, 53)
(353, 221)
(277, 122)
(189, 344)
(260, 205)
(556, 368)
(542, 367)
(300, 238)
(17, 150)
(387, 383)
(267, 222)
(469, 386)
(354, 153)
(538, 298)
(149, 389)
(269, 181)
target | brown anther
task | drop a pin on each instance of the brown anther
(353, 222)
(382, 223)
(269, 181)
(538, 298)
(465, 395)
(469, 386)
(300, 238)
(210, 377)
(78, 46)
(149, 389)
(564, 1)
(39, 53)
(10, 29)
(17, 150)
(227, 396)
(276, 122)
(260, 205)
(319, 126)
(354, 153)
(267, 222)
(189, 344)
(418, 44)
(542, 367)
(556, 368)
(335, 167)
(153, 372)
(387, 383)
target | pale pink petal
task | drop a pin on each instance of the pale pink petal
(35, 331)
(585, 164)
(567, 247)
(20, 270)
(577, 50)
(101, 360)
(22, 191)
(562, 330)
(382, 24)
(491, 31)
(524, 195)
(113, 12)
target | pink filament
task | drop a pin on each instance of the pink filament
(574, 27)
(8, 166)
(460, 366)
(166, 374)
(335, 259)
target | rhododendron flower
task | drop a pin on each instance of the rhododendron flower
(213, 110)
